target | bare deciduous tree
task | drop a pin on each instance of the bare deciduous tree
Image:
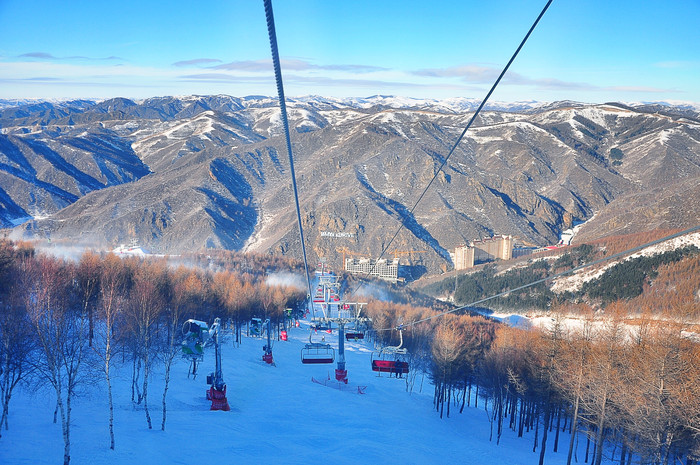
(16, 342)
(111, 301)
(60, 330)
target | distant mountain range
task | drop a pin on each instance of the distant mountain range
(183, 174)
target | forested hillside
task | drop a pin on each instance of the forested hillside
(628, 388)
(641, 283)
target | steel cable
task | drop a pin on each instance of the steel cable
(459, 139)
(548, 278)
(285, 123)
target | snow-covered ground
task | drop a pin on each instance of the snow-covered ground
(574, 281)
(277, 413)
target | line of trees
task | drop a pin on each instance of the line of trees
(630, 392)
(626, 280)
(63, 323)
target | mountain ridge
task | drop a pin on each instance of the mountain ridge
(182, 174)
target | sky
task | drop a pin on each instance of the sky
(590, 51)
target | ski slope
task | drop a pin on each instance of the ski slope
(277, 413)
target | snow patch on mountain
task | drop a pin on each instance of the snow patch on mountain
(574, 282)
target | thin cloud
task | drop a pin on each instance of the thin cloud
(224, 78)
(478, 74)
(41, 55)
(369, 83)
(50, 57)
(42, 79)
(555, 84)
(650, 90)
(676, 64)
(469, 73)
(256, 66)
(196, 62)
(295, 65)
(327, 81)
(351, 68)
(319, 81)
(78, 83)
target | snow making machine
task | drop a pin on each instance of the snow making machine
(196, 335)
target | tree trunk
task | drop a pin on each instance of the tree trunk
(588, 444)
(545, 430)
(145, 392)
(111, 413)
(442, 400)
(109, 395)
(556, 434)
(65, 423)
(623, 455)
(600, 437)
(573, 428)
(669, 440)
(449, 400)
(499, 412)
(165, 392)
(7, 387)
(537, 430)
(135, 370)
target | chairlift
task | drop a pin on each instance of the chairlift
(389, 364)
(389, 359)
(321, 325)
(317, 353)
(354, 335)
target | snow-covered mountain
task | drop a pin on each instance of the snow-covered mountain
(186, 173)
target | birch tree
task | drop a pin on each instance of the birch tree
(145, 307)
(16, 341)
(60, 330)
(187, 289)
(111, 300)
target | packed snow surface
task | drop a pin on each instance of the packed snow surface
(277, 414)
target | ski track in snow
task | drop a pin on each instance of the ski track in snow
(277, 413)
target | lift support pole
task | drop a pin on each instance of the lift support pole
(341, 374)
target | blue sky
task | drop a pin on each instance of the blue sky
(590, 51)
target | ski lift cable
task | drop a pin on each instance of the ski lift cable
(285, 122)
(461, 136)
(549, 278)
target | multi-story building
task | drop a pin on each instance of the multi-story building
(383, 269)
(483, 250)
(492, 248)
(464, 257)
